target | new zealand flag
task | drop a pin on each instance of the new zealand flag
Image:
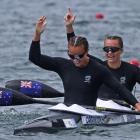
(6, 98)
(31, 88)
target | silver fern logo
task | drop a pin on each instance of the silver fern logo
(87, 79)
(122, 80)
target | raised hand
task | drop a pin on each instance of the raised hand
(40, 25)
(137, 106)
(69, 17)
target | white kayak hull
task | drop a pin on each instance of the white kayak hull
(64, 117)
(58, 121)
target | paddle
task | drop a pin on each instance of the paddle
(44, 102)
(117, 110)
(133, 112)
(11, 97)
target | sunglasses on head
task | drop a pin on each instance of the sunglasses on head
(111, 49)
(77, 56)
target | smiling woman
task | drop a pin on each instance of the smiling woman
(126, 74)
(81, 78)
(79, 45)
(113, 50)
(78, 51)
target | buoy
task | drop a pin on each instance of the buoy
(99, 16)
(135, 62)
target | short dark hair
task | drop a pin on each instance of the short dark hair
(115, 37)
(79, 41)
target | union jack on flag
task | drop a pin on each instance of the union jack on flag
(26, 84)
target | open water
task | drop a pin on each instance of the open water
(17, 24)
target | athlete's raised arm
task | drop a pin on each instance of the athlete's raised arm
(40, 26)
(69, 19)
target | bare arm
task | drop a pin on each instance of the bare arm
(69, 20)
(40, 26)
